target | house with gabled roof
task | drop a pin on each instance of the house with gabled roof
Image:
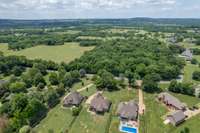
(176, 118)
(73, 99)
(99, 104)
(171, 101)
(128, 111)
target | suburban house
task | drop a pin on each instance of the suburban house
(187, 54)
(73, 99)
(171, 101)
(128, 111)
(176, 118)
(99, 104)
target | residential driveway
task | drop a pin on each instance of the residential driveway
(85, 87)
(191, 113)
(141, 102)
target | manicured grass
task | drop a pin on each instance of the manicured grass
(152, 121)
(91, 90)
(188, 70)
(79, 84)
(192, 124)
(58, 119)
(116, 97)
(89, 123)
(163, 86)
(62, 53)
(189, 100)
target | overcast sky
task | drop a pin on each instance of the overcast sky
(66, 9)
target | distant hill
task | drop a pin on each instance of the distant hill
(9, 23)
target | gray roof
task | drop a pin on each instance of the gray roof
(188, 54)
(128, 110)
(2, 81)
(73, 98)
(177, 117)
(100, 104)
(168, 98)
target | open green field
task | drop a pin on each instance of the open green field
(61, 53)
(188, 70)
(152, 121)
(57, 120)
(88, 123)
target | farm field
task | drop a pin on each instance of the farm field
(61, 53)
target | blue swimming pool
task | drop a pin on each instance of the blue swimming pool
(128, 129)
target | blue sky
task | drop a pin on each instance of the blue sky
(67, 9)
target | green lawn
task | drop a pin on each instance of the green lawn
(58, 119)
(66, 53)
(79, 84)
(188, 70)
(152, 121)
(189, 100)
(116, 97)
(163, 86)
(88, 123)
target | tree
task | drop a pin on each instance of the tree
(17, 87)
(19, 102)
(82, 73)
(174, 86)
(106, 81)
(51, 98)
(41, 67)
(150, 86)
(53, 78)
(194, 61)
(34, 110)
(196, 75)
(17, 71)
(76, 110)
(39, 79)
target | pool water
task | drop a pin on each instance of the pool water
(128, 129)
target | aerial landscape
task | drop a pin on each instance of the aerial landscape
(105, 66)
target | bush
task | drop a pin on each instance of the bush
(17, 87)
(194, 61)
(25, 129)
(76, 110)
(196, 75)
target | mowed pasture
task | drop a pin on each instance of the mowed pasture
(61, 53)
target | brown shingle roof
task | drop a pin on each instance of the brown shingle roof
(73, 98)
(100, 104)
(169, 99)
(176, 117)
(128, 110)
